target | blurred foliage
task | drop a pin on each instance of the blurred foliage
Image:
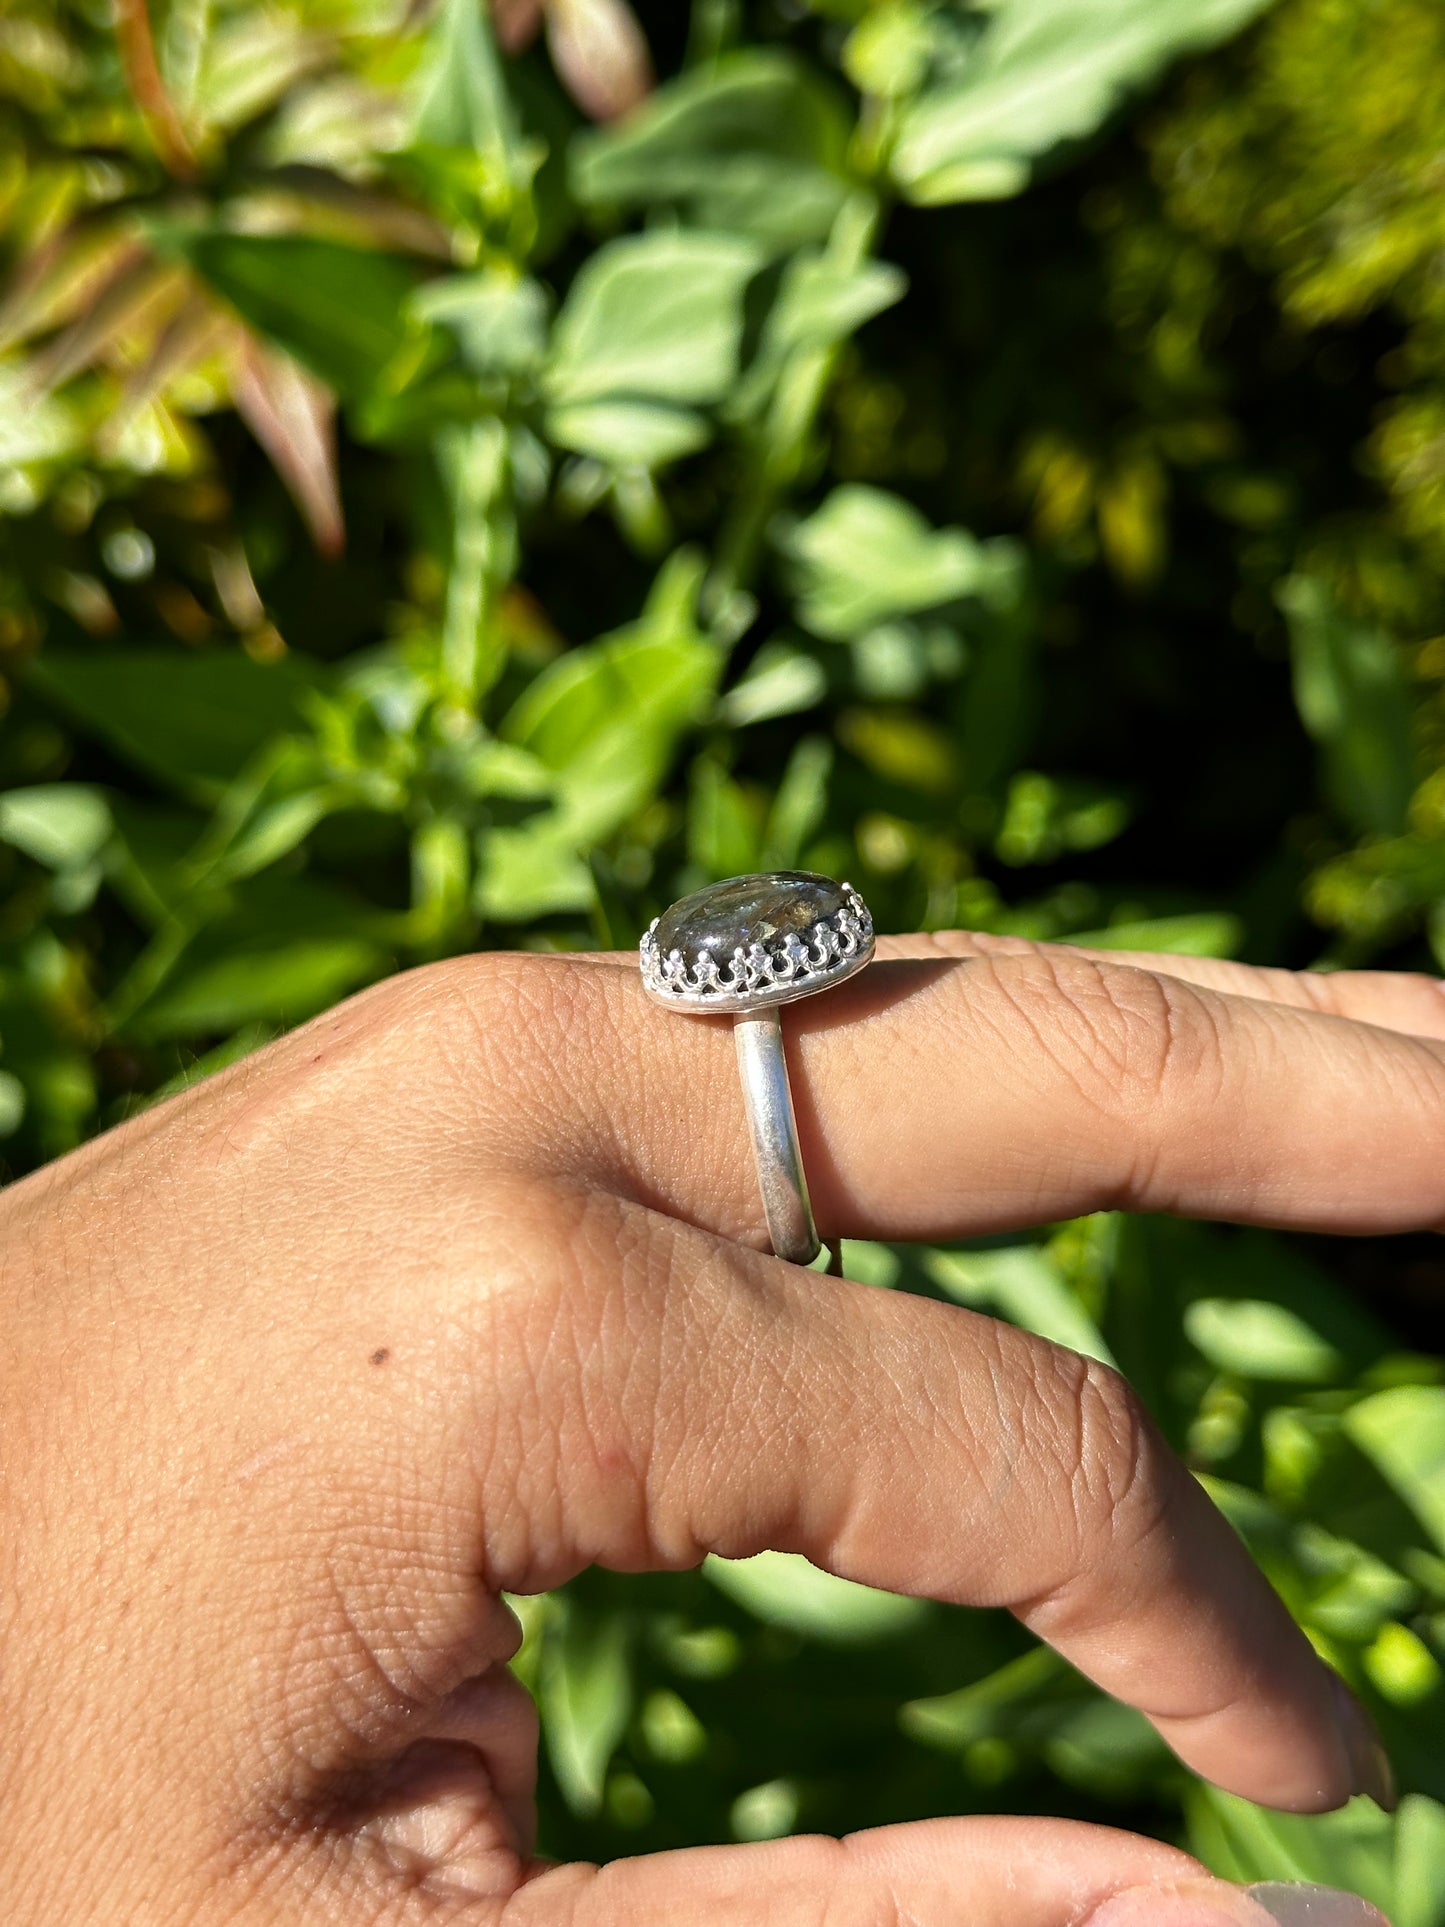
(466, 481)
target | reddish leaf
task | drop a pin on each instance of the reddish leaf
(139, 283)
(195, 331)
(63, 276)
(293, 416)
(600, 54)
(148, 90)
(516, 23)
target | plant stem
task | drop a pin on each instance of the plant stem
(476, 463)
(780, 447)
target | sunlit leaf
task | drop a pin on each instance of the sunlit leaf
(1258, 1339)
(499, 319)
(754, 142)
(462, 99)
(585, 1690)
(1352, 1849)
(1202, 933)
(629, 434)
(785, 1590)
(65, 826)
(1042, 72)
(607, 717)
(653, 318)
(1402, 1432)
(1023, 1284)
(781, 680)
(1419, 1897)
(866, 554)
(142, 287)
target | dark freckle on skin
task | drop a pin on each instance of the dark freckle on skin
(380, 1355)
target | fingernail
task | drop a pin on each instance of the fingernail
(1294, 1906)
(1370, 1771)
(1213, 1903)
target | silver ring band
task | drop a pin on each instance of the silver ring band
(768, 1099)
(742, 948)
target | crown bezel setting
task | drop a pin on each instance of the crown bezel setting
(759, 975)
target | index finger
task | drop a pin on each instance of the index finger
(940, 1098)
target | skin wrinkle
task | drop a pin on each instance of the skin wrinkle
(1125, 1489)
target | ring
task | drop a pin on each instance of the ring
(744, 947)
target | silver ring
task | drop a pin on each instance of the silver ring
(742, 948)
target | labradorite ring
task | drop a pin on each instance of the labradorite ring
(741, 949)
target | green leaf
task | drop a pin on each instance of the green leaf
(65, 826)
(653, 318)
(891, 49)
(800, 805)
(821, 301)
(531, 870)
(1255, 1338)
(499, 319)
(781, 680)
(273, 949)
(1042, 72)
(282, 981)
(1419, 1898)
(782, 1589)
(606, 718)
(193, 720)
(629, 434)
(1350, 691)
(1201, 933)
(1402, 1433)
(1038, 1681)
(1352, 1849)
(1046, 815)
(723, 822)
(12, 1104)
(585, 1694)
(753, 143)
(866, 555)
(463, 100)
(1023, 1284)
(340, 310)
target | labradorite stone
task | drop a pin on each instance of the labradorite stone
(747, 910)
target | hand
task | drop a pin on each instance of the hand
(455, 1291)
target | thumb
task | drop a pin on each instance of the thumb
(1011, 1872)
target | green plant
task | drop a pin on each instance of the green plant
(433, 519)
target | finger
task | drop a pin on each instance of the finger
(932, 1873)
(1401, 1000)
(703, 1398)
(940, 1098)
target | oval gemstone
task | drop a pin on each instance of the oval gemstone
(747, 910)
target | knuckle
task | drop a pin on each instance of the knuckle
(1117, 1445)
(1105, 1464)
(1125, 1038)
(507, 1032)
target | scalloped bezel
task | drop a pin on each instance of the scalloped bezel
(765, 974)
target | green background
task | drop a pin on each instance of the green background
(994, 453)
